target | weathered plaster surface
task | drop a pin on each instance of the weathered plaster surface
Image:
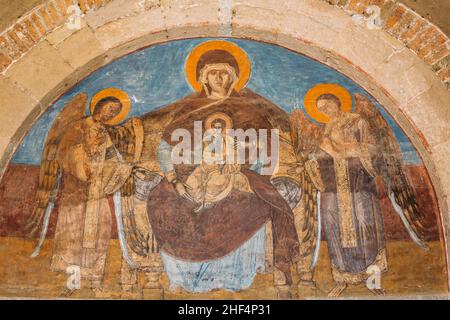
(395, 75)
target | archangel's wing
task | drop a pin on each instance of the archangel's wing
(305, 134)
(306, 137)
(399, 188)
(50, 169)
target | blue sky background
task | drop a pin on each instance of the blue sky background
(155, 77)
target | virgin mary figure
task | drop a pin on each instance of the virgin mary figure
(223, 246)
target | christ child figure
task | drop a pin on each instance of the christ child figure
(218, 174)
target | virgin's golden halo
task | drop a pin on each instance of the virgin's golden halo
(116, 93)
(239, 55)
(219, 116)
(310, 101)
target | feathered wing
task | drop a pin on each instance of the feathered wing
(306, 137)
(50, 169)
(399, 188)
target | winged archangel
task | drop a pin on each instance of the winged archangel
(342, 152)
(86, 161)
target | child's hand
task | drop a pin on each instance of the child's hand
(182, 190)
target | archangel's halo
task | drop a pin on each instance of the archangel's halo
(315, 92)
(239, 55)
(116, 93)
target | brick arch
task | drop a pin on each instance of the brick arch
(401, 22)
(383, 65)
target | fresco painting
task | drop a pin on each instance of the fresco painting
(218, 168)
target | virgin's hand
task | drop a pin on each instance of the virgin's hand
(182, 190)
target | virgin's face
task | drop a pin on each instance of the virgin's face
(219, 79)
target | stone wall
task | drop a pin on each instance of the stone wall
(30, 29)
(416, 32)
(41, 57)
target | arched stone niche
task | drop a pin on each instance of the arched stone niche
(394, 76)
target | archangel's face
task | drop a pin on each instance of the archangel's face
(328, 107)
(219, 78)
(107, 111)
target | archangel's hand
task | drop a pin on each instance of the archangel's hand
(298, 168)
(182, 190)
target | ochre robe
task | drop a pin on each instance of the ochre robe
(83, 229)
